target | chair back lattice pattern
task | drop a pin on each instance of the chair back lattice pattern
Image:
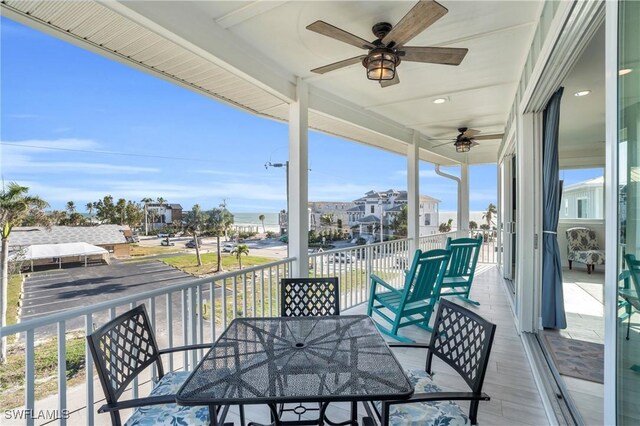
(305, 297)
(121, 349)
(425, 276)
(464, 256)
(463, 340)
(581, 239)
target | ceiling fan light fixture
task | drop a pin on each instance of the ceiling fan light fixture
(463, 145)
(381, 64)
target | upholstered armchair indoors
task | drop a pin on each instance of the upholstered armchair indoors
(582, 246)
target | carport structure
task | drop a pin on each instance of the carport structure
(57, 252)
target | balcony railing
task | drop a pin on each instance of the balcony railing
(197, 311)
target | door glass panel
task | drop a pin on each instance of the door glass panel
(628, 328)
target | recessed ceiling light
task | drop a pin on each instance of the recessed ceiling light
(625, 71)
(582, 93)
(439, 101)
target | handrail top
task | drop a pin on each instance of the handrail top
(356, 247)
(97, 307)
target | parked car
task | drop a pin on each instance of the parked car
(167, 242)
(163, 235)
(228, 248)
(341, 258)
(192, 244)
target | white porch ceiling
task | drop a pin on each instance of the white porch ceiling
(249, 54)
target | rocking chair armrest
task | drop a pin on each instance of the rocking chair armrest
(441, 396)
(185, 348)
(141, 402)
(377, 280)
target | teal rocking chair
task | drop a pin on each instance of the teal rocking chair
(414, 304)
(462, 267)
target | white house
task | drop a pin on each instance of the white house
(365, 216)
(160, 215)
(337, 210)
(583, 200)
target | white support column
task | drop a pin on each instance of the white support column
(298, 181)
(463, 201)
(413, 194)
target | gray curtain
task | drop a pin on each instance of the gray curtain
(553, 315)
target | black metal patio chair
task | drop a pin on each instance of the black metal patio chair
(304, 297)
(124, 347)
(463, 340)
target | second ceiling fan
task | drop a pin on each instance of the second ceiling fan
(388, 49)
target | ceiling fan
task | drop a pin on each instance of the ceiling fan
(388, 49)
(467, 139)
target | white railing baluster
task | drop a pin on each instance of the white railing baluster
(88, 327)
(262, 295)
(169, 327)
(30, 376)
(193, 325)
(185, 328)
(224, 303)
(212, 311)
(152, 318)
(200, 310)
(244, 295)
(62, 372)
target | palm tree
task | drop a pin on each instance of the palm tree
(195, 220)
(146, 201)
(261, 218)
(161, 201)
(490, 213)
(71, 207)
(238, 251)
(220, 219)
(90, 207)
(15, 205)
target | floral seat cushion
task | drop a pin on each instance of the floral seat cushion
(582, 246)
(169, 414)
(425, 413)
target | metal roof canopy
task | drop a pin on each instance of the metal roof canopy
(218, 49)
(50, 251)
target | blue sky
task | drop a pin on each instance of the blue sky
(56, 95)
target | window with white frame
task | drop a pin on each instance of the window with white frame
(582, 208)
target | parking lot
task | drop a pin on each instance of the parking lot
(59, 290)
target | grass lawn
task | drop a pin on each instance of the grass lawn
(46, 366)
(13, 296)
(188, 262)
(137, 250)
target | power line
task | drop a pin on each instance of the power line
(88, 151)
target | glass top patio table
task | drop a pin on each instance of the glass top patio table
(300, 359)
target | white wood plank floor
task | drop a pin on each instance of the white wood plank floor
(514, 397)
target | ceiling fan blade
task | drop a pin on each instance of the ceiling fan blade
(419, 18)
(434, 55)
(339, 64)
(488, 137)
(387, 83)
(442, 144)
(329, 30)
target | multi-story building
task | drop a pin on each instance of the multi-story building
(329, 215)
(376, 209)
(160, 215)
